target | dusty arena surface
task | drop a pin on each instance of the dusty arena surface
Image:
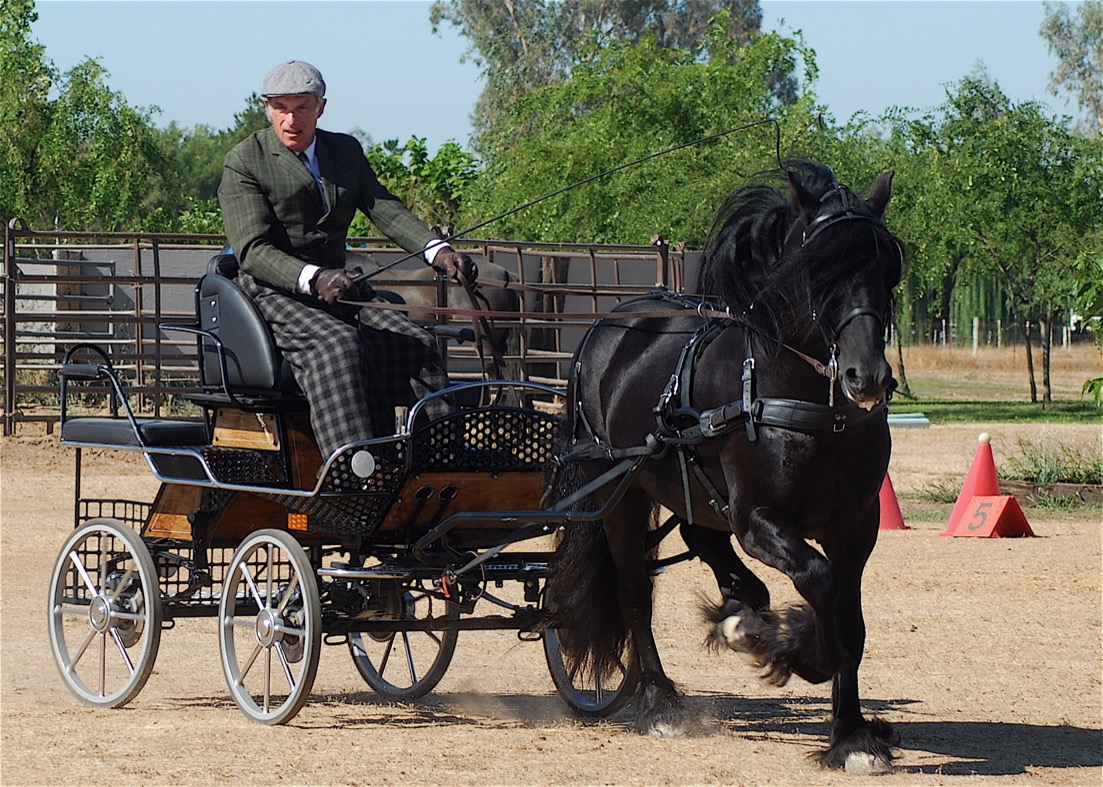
(984, 653)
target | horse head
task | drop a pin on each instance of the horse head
(814, 268)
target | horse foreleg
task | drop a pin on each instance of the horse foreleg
(857, 744)
(660, 710)
(801, 639)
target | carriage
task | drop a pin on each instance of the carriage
(757, 408)
(390, 547)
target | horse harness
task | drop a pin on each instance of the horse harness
(681, 426)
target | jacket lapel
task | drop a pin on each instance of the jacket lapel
(296, 171)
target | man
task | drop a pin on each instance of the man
(288, 195)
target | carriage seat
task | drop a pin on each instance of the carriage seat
(155, 432)
(255, 371)
(117, 429)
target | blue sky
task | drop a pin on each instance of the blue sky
(388, 75)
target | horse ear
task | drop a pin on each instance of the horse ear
(803, 201)
(881, 193)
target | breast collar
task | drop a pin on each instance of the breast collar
(680, 422)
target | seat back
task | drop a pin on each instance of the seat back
(253, 364)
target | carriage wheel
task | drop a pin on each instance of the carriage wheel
(586, 695)
(405, 665)
(105, 613)
(270, 628)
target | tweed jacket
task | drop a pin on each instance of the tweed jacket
(275, 219)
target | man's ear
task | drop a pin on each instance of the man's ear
(321, 106)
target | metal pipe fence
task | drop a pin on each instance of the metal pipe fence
(115, 289)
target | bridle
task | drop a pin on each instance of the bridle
(851, 208)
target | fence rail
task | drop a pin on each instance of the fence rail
(117, 289)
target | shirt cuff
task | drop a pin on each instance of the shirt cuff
(431, 249)
(306, 275)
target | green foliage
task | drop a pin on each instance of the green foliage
(1048, 462)
(627, 102)
(528, 44)
(1076, 38)
(432, 186)
(84, 159)
(26, 77)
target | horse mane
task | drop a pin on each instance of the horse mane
(773, 284)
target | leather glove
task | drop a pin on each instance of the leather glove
(452, 263)
(332, 284)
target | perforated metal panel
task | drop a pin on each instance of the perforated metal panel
(493, 439)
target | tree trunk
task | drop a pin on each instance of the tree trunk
(1030, 362)
(1045, 328)
(904, 388)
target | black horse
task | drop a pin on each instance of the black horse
(761, 412)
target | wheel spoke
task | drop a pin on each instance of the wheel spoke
(122, 650)
(83, 571)
(81, 650)
(409, 657)
(248, 665)
(291, 682)
(122, 584)
(269, 574)
(63, 609)
(242, 622)
(253, 589)
(288, 592)
(103, 665)
(267, 680)
(386, 655)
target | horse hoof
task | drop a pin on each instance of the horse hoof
(860, 763)
(740, 633)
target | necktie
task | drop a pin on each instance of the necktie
(314, 173)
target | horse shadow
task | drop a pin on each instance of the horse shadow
(970, 748)
(962, 748)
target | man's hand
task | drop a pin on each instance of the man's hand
(452, 263)
(332, 284)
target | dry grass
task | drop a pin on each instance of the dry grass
(935, 372)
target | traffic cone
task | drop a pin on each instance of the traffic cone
(980, 481)
(891, 517)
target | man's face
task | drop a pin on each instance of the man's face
(295, 118)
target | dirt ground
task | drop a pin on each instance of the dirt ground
(986, 654)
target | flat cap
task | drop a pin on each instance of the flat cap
(293, 78)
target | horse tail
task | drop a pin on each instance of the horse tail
(593, 635)
(594, 638)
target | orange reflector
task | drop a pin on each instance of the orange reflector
(296, 521)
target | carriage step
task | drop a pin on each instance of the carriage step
(382, 571)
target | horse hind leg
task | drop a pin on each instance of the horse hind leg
(660, 710)
(736, 582)
(736, 622)
(800, 639)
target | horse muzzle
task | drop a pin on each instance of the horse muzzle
(868, 386)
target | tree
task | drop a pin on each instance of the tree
(630, 101)
(83, 160)
(433, 187)
(26, 77)
(526, 44)
(1005, 191)
(1076, 40)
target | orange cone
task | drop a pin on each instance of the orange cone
(891, 517)
(980, 481)
(994, 516)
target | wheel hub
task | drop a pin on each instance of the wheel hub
(268, 633)
(99, 614)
